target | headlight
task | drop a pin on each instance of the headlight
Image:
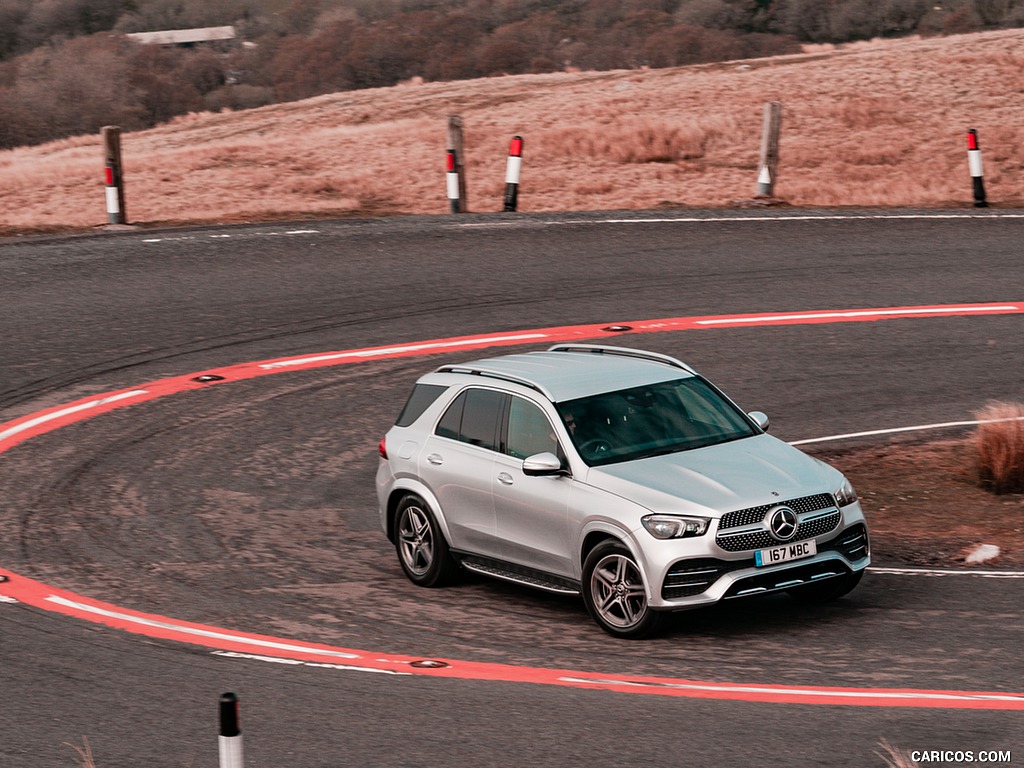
(674, 526)
(845, 495)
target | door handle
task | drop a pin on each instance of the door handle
(435, 458)
(505, 478)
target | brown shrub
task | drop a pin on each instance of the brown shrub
(1000, 447)
(639, 140)
(867, 112)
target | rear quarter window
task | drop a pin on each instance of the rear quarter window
(421, 398)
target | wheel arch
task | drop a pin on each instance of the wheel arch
(410, 488)
(601, 533)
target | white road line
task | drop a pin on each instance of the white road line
(26, 425)
(298, 662)
(816, 692)
(363, 353)
(196, 631)
(947, 572)
(857, 313)
(895, 430)
(834, 217)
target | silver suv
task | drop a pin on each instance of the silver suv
(616, 473)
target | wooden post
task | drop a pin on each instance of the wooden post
(456, 144)
(114, 175)
(769, 162)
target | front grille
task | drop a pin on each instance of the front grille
(751, 515)
(761, 539)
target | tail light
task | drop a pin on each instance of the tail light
(382, 448)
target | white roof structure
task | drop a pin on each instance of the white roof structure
(183, 36)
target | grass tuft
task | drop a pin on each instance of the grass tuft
(999, 445)
(895, 758)
(84, 753)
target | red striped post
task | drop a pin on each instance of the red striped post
(113, 176)
(512, 169)
(974, 164)
(230, 733)
(452, 181)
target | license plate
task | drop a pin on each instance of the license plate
(785, 553)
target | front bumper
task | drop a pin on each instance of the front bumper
(691, 582)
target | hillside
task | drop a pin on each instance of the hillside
(865, 125)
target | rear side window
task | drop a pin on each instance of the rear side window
(421, 398)
(473, 418)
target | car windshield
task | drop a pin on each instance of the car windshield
(652, 420)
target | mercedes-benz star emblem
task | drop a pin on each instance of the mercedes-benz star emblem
(782, 523)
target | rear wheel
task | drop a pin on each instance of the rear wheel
(828, 590)
(613, 591)
(421, 546)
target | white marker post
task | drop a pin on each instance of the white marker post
(452, 181)
(515, 164)
(230, 733)
(974, 164)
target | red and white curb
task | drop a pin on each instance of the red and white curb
(240, 645)
(18, 430)
(18, 589)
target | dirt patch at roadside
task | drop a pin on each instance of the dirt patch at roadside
(924, 504)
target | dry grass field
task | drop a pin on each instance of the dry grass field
(866, 125)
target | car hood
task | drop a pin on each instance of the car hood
(719, 478)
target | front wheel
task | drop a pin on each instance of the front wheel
(421, 546)
(828, 590)
(613, 591)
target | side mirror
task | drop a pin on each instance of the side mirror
(542, 465)
(761, 419)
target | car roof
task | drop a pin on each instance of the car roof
(567, 372)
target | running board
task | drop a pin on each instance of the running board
(519, 575)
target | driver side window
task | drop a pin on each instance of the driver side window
(529, 430)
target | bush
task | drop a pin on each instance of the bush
(1000, 447)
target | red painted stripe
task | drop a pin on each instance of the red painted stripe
(66, 603)
(47, 598)
(516, 147)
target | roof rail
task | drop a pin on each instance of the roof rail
(602, 349)
(468, 369)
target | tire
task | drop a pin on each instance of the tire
(613, 591)
(828, 590)
(422, 549)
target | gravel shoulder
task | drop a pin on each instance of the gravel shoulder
(924, 504)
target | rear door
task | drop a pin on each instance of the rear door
(457, 464)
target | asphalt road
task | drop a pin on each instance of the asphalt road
(250, 505)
